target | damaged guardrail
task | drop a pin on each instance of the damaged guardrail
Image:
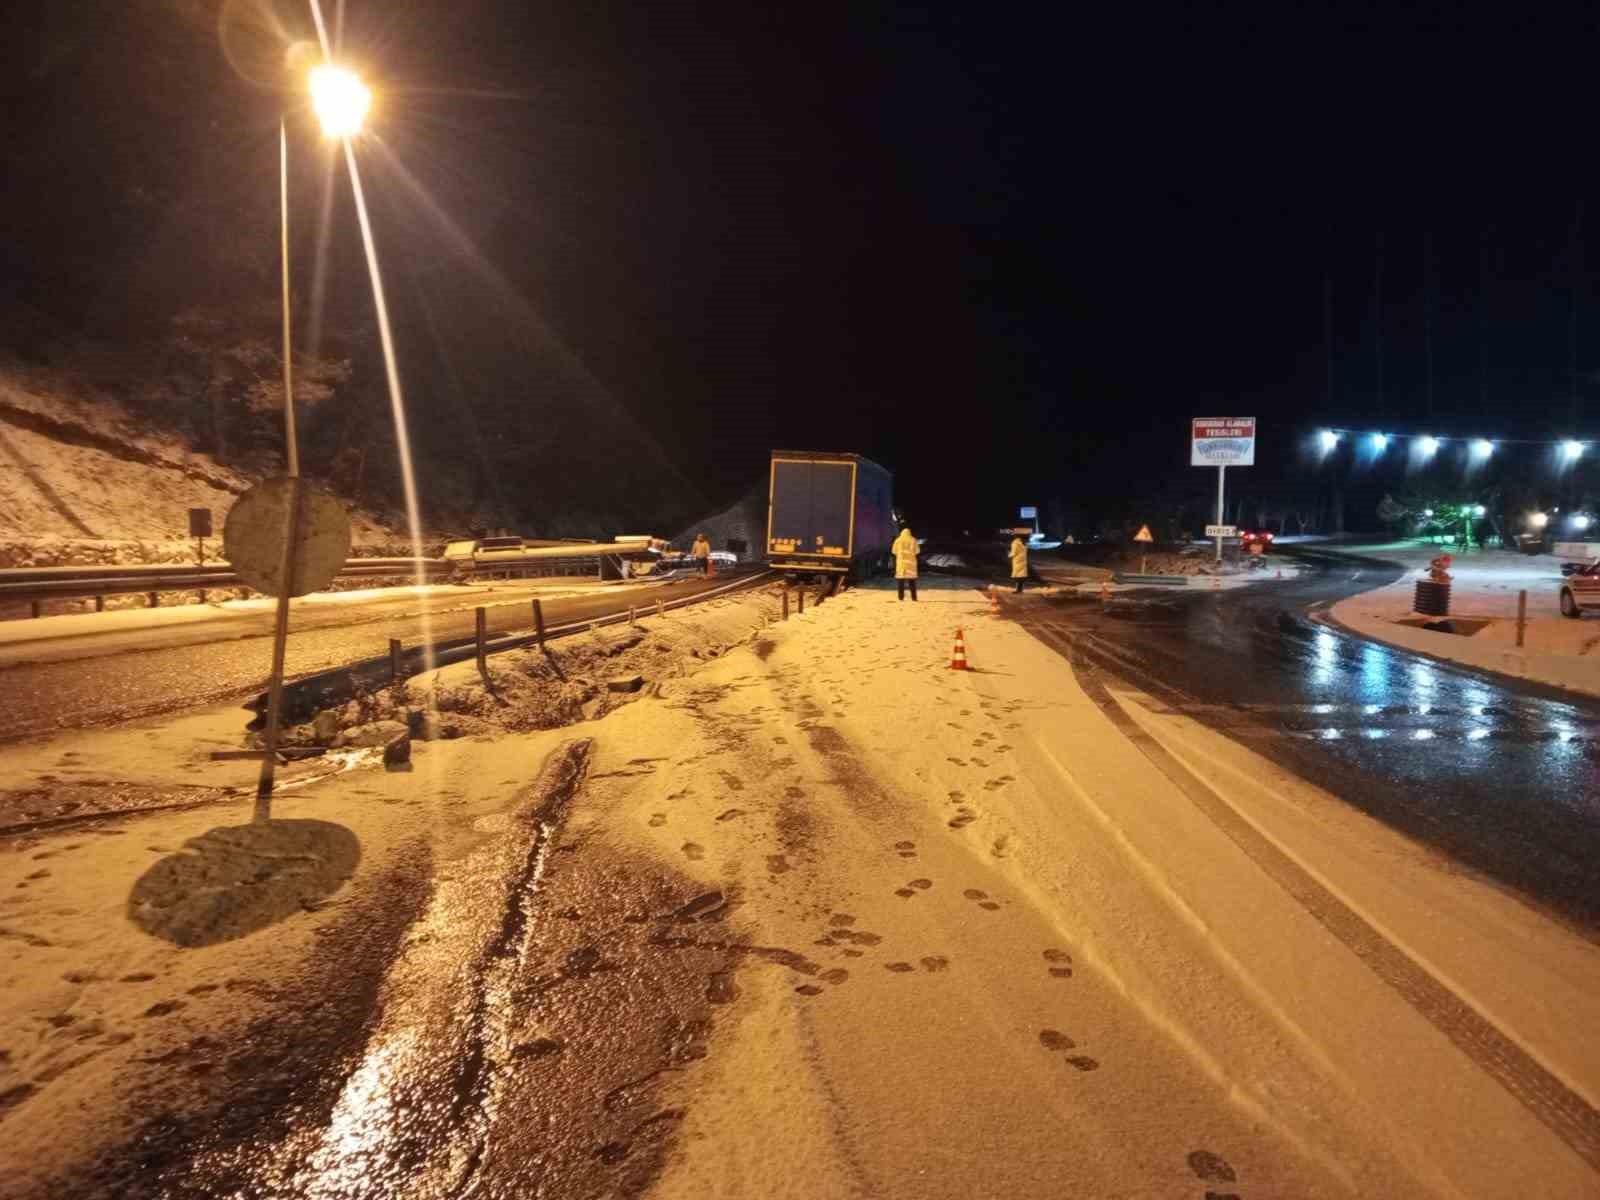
(304, 697)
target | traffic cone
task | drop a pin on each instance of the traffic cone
(958, 656)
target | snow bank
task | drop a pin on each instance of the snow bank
(1484, 588)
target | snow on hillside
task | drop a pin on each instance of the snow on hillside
(82, 482)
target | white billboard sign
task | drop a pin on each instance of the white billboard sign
(1028, 512)
(1223, 442)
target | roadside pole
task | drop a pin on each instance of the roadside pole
(1220, 471)
(280, 627)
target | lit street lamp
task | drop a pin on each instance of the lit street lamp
(340, 101)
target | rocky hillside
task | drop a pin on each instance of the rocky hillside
(82, 481)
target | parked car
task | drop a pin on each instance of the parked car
(1581, 590)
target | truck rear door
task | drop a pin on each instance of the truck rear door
(811, 507)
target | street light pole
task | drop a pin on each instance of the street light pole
(341, 101)
(291, 533)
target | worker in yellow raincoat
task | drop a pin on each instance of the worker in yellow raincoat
(1019, 562)
(905, 562)
(702, 551)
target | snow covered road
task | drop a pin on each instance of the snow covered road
(884, 929)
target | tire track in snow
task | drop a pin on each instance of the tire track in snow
(1561, 1109)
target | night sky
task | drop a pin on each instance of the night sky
(1006, 250)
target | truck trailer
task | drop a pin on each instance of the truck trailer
(829, 514)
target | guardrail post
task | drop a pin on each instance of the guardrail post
(800, 595)
(38, 608)
(786, 602)
(153, 599)
(483, 658)
(202, 595)
(538, 622)
(1522, 615)
(633, 616)
(394, 660)
(661, 609)
(99, 604)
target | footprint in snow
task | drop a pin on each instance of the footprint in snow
(1213, 1168)
(1056, 1041)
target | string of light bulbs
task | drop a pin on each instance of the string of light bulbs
(1429, 444)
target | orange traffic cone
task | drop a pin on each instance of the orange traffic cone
(958, 656)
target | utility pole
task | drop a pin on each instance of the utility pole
(1483, 319)
(1327, 335)
(1574, 281)
(1427, 311)
(1377, 317)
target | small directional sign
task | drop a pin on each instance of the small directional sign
(1222, 531)
(1143, 535)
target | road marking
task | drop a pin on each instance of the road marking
(1567, 1114)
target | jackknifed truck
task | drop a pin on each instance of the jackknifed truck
(829, 514)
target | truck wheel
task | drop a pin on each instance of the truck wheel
(1569, 605)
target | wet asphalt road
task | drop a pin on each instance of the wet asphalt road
(1499, 776)
(231, 659)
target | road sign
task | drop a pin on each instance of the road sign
(199, 522)
(254, 531)
(1028, 512)
(1222, 442)
(1143, 535)
(1222, 531)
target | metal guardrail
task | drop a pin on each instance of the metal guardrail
(1177, 580)
(38, 584)
(303, 697)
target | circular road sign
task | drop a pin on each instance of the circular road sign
(258, 522)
